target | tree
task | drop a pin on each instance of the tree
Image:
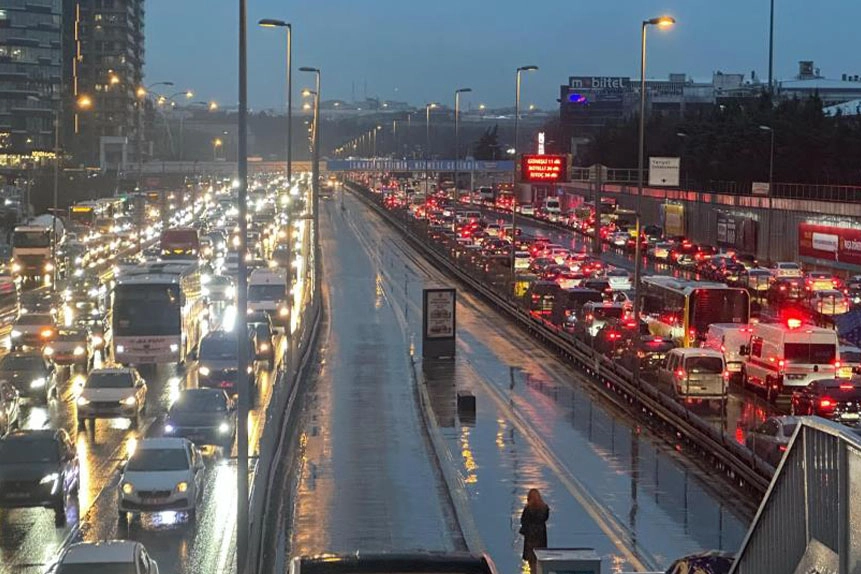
(487, 146)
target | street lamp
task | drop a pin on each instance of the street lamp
(660, 22)
(519, 71)
(216, 143)
(272, 23)
(428, 108)
(770, 130)
(142, 93)
(316, 174)
(457, 94)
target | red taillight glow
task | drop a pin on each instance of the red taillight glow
(826, 403)
(847, 387)
(680, 373)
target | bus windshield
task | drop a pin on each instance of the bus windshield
(709, 306)
(147, 310)
(267, 292)
(31, 239)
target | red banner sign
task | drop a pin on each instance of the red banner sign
(840, 244)
(536, 168)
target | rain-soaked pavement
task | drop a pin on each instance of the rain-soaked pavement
(611, 485)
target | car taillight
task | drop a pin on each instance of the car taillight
(782, 448)
(836, 364)
(781, 363)
(826, 403)
(680, 373)
(847, 387)
(726, 375)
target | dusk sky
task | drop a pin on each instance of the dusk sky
(423, 51)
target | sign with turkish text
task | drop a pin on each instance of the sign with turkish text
(760, 188)
(838, 244)
(543, 168)
(664, 171)
(439, 322)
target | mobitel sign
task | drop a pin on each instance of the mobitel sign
(838, 244)
(544, 168)
(599, 83)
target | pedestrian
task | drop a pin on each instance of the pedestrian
(533, 526)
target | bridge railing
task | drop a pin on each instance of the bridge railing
(809, 518)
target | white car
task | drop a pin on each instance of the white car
(787, 269)
(528, 209)
(163, 474)
(619, 279)
(106, 556)
(112, 393)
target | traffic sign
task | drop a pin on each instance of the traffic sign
(664, 171)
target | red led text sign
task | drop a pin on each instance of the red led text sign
(543, 168)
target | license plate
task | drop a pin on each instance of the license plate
(156, 500)
(844, 372)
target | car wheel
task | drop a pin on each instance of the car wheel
(60, 511)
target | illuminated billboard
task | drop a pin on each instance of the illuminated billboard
(535, 168)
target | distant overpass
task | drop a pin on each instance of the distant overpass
(222, 168)
(416, 165)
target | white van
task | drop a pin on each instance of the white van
(789, 356)
(268, 291)
(552, 207)
(692, 373)
(730, 339)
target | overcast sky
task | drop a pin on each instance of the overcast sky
(422, 51)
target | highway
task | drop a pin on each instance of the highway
(610, 484)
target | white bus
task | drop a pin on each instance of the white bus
(157, 313)
(269, 291)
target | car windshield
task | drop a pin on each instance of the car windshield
(98, 568)
(193, 402)
(98, 380)
(22, 363)
(158, 459)
(704, 365)
(810, 353)
(607, 312)
(71, 336)
(221, 348)
(267, 292)
(24, 449)
(36, 319)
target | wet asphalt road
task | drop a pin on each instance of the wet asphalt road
(611, 485)
(365, 479)
(29, 541)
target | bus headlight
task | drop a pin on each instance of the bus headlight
(223, 428)
(78, 351)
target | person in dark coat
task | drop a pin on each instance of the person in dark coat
(533, 526)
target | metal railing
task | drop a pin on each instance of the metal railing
(810, 516)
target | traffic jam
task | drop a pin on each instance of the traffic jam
(119, 371)
(713, 327)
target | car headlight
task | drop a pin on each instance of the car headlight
(283, 311)
(49, 266)
(224, 428)
(16, 333)
(38, 383)
(249, 369)
(79, 351)
(128, 488)
(204, 371)
(49, 478)
(130, 401)
(174, 347)
(169, 428)
(264, 346)
(47, 333)
(181, 486)
(48, 351)
(121, 349)
(98, 341)
(83, 401)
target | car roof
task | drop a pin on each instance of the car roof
(104, 551)
(220, 334)
(112, 371)
(700, 351)
(162, 443)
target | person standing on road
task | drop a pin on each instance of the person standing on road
(533, 526)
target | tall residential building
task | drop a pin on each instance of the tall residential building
(30, 81)
(106, 51)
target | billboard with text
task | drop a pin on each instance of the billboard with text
(830, 243)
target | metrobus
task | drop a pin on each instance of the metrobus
(682, 310)
(83, 213)
(157, 313)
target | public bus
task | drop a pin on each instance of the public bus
(682, 310)
(180, 243)
(158, 313)
(84, 214)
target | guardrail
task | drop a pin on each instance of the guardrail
(716, 447)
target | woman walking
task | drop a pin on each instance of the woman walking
(533, 526)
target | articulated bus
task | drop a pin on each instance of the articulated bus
(683, 310)
(157, 313)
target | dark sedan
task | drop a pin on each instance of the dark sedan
(835, 399)
(38, 468)
(203, 416)
(30, 373)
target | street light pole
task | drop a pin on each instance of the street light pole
(770, 130)
(427, 148)
(663, 22)
(56, 195)
(272, 23)
(457, 94)
(771, 49)
(242, 301)
(520, 70)
(316, 176)
(142, 94)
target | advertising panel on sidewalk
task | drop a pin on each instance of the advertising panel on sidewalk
(829, 243)
(438, 322)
